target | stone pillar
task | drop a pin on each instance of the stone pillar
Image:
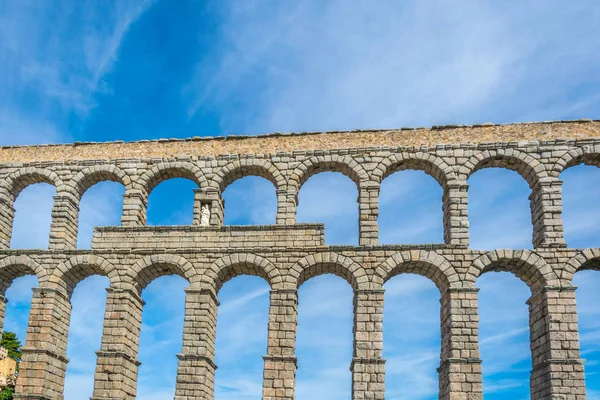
(456, 214)
(286, 207)
(44, 360)
(368, 365)
(117, 363)
(7, 215)
(196, 368)
(3, 301)
(63, 230)
(202, 208)
(557, 367)
(135, 205)
(368, 212)
(546, 209)
(280, 362)
(212, 198)
(460, 366)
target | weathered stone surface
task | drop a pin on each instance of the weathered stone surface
(287, 254)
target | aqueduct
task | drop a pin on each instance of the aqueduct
(207, 254)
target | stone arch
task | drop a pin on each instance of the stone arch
(232, 265)
(90, 176)
(526, 265)
(19, 180)
(425, 263)
(328, 263)
(149, 268)
(169, 170)
(77, 268)
(587, 155)
(329, 163)
(238, 169)
(531, 169)
(588, 259)
(432, 165)
(13, 267)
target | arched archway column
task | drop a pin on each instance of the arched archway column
(456, 215)
(460, 364)
(3, 301)
(44, 361)
(368, 212)
(557, 367)
(196, 367)
(546, 209)
(65, 217)
(135, 205)
(286, 207)
(7, 215)
(279, 374)
(117, 363)
(368, 365)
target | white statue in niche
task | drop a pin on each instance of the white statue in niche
(205, 214)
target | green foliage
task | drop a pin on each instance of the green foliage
(7, 393)
(11, 343)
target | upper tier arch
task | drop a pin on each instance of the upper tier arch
(428, 163)
(531, 169)
(588, 155)
(248, 167)
(88, 177)
(20, 179)
(328, 163)
(169, 170)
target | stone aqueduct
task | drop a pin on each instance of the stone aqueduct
(207, 254)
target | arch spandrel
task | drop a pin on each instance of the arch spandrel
(329, 163)
(531, 169)
(425, 263)
(24, 177)
(432, 165)
(90, 176)
(239, 169)
(13, 267)
(149, 268)
(328, 263)
(232, 265)
(588, 259)
(528, 266)
(159, 173)
(68, 274)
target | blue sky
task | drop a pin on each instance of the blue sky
(96, 71)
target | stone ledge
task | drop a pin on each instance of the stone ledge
(197, 357)
(118, 354)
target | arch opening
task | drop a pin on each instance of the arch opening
(331, 198)
(411, 337)
(499, 210)
(19, 294)
(241, 338)
(581, 212)
(33, 217)
(88, 302)
(161, 336)
(410, 209)
(504, 335)
(171, 202)
(250, 200)
(100, 205)
(325, 341)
